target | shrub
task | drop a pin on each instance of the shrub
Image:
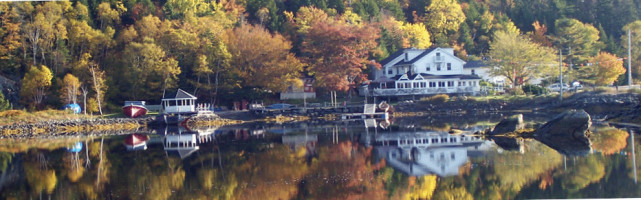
(12, 113)
(533, 89)
(634, 90)
(515, 91)
(601, 89)
(437, 99)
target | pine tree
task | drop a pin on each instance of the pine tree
(4, 103)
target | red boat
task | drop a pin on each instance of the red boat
(134, 109)
(136, 141)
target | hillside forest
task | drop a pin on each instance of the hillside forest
(100, 53)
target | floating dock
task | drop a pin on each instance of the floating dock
(369, 112)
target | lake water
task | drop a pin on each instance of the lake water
(409, 158)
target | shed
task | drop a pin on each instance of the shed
(182, 102)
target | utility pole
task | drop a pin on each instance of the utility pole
(561, 75)
(629, 61)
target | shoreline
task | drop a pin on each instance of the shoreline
(612, 108)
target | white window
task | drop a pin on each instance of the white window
(450, 84)
(438, 66)
(390, 71)
(449, 66)
(441, 84)
(415, 85)
(423, 84)
(408, 85)
(432, 84)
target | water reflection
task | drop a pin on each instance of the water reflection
(425, 153)
(350, 160)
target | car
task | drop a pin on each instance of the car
(557, 87)
(279, 106)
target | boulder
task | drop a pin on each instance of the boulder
(509, 143)
(567, 132)
(508, 125)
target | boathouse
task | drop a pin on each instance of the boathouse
(181, 103)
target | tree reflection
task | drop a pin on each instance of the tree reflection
(609, 140)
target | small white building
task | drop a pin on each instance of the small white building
(181, 103)
(423, 72)
(482, 69)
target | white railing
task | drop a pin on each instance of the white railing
(423, 91)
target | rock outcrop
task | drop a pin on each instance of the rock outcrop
(567, 132)
(508, 125)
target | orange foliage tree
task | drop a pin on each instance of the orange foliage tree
(337, 53)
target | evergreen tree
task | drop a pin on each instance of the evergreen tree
(4, 103)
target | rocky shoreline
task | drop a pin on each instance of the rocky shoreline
(624, 107)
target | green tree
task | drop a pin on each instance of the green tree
(581, 39)
(4, 103)
(152, 71)
(519, 59)
(635, 41)
(35, 84)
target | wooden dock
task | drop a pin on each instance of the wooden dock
(369, 112)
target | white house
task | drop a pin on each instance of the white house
(182, 102)
(482, 69)
(423, 72)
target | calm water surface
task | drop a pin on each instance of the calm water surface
(409, 159)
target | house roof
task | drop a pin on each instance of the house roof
(181, 94)
(432, 76)
(425, 52)
(392, 56)
(474, 64)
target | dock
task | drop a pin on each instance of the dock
(369, 112)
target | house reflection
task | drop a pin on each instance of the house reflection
(424, 153)
(175, 140)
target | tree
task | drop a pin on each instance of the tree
(151, 70)
(10, 38)
(4, 103)
(417, 35)
(35, 84)
(603, 69)
(337, 53)
(582, 40)
(70, 88)
(109, 16)
(442, 19)
(635, 41)
(263, 59)
(519, 59)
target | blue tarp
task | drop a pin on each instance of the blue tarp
(73, 106)
(76, 147)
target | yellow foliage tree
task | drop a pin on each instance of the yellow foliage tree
(443, 17)
(35, 84)
(70, 89)
(605, 68)
(417, 35)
